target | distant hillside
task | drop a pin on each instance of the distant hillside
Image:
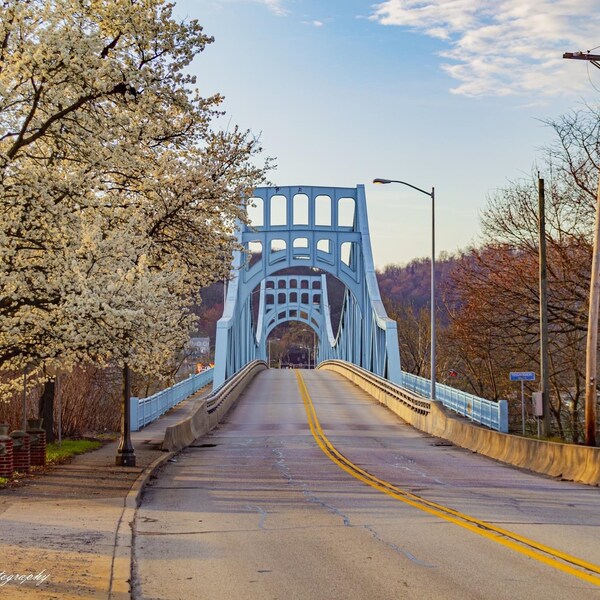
(410, 283)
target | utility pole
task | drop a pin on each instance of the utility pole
(592, 332)
(543, 283)
(592, 337)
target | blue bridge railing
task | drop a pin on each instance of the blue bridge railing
(146, 410)
(491, 414)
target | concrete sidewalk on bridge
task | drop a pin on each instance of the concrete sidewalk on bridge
(66, 533)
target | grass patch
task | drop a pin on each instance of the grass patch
(69, 448)
(3, 481)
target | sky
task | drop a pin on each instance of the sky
(451, 94)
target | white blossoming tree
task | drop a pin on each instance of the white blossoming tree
(118, 197)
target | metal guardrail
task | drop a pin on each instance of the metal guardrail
(486, 412)
(415, 391)
(218, 396)
(406, 397)
(146, 410)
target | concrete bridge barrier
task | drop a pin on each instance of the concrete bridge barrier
(567, 461)
(211, 410)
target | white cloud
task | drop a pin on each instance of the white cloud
(314, 23)
(275, 6)
(504, 47)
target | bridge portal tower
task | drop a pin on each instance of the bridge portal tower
(326, 230)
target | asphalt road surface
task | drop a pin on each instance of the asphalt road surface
(310, 490)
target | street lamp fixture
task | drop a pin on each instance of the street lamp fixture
(432, 196)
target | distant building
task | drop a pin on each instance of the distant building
(199, 346)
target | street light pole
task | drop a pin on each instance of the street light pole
(432, 196)
(269, 344)
(433, 352)
(125, 452)
(314, 357)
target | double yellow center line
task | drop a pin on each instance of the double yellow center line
(555, 558)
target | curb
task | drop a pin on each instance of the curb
(121, 577)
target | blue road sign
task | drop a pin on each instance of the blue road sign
(522, 376)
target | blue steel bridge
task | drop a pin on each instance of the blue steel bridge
(325, 230)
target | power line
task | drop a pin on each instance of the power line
(590, 79)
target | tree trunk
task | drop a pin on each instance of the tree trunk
(46, 409)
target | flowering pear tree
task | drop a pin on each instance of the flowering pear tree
(118, 194)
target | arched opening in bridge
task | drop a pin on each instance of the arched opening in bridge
(346, 210)
(255, 210)
(278, 210)
(323, 211)
(292, 345)
(255, 252)
(301, 209)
